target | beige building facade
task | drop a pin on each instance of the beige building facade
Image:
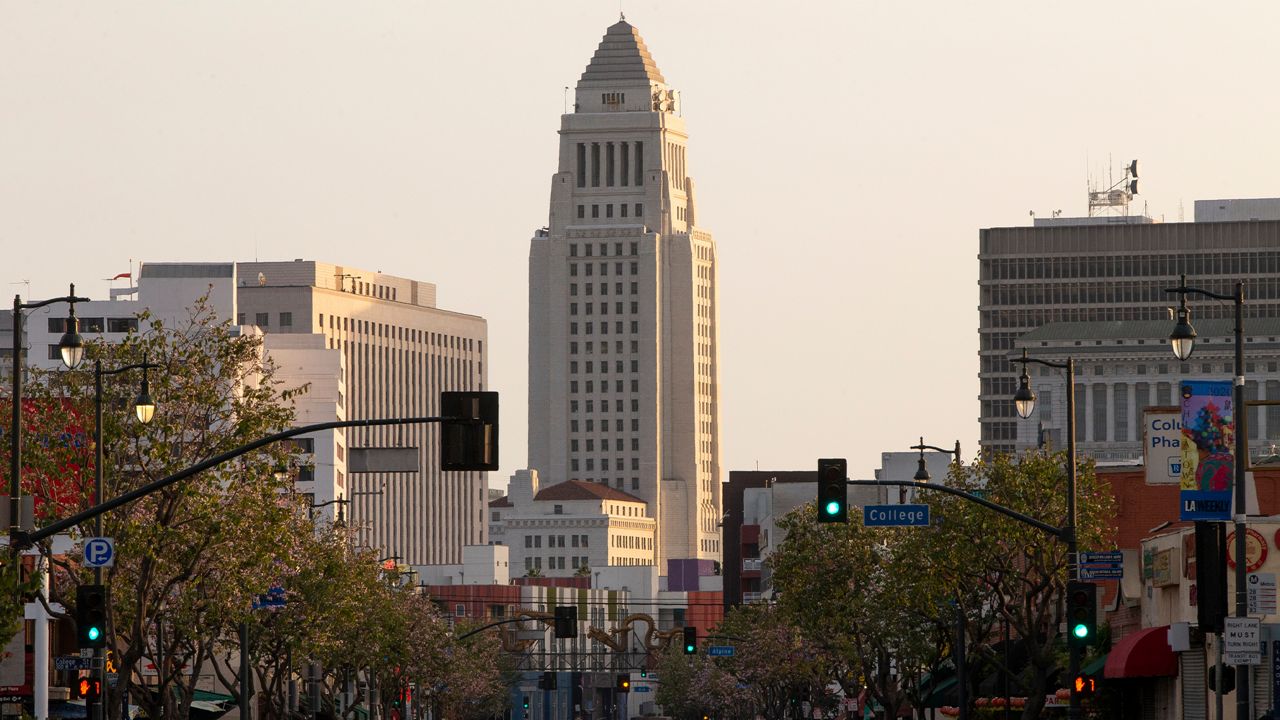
(623, 341)
(399, 351)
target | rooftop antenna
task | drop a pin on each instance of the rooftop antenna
(1116, 198)
(566, 99)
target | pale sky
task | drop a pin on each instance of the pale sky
(845, 155)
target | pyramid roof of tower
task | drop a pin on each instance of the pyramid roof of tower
(622, 55)
(579, 490)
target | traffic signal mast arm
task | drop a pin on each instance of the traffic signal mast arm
(24, 540)
(1065, 534)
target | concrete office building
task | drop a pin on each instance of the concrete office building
(1126, 366)
(399, 351)
(571, 527)
(623, 340)
(1103, 272)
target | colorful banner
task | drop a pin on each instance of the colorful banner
(1208, 462)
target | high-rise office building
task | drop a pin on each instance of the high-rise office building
(399, 352)
(623, 341)
(1105, 269)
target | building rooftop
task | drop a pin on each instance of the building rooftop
(503, 501)
(579, 490)
(622, 55)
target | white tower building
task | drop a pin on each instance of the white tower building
(623, 343)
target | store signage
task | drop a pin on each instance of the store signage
(1162, 446)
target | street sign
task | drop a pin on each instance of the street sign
(99, 552)
(1109, 557)
(720, 650)
(641, 688)
(1105, 565)
(274, 598)
(1262, 593)
(895, 515)
(1100, 572)
(1242, 641)
(72, 662)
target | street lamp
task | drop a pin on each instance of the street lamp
(144, 408)
(71, 347)
(1182, 340)
(922, 469)
(1024, 401)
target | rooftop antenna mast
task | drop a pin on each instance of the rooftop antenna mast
(1116, 198)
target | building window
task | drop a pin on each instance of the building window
(558, 510)
(582, 211)
(595, 213)
(460, 610)
(495, 516)
(286, 319)
(608, 210)
(122, 325)
(639, 207)
(262, 319)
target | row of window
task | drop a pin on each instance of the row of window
(589, 288)
(590, 465)
(395, 332)
(608, 211)
(1167, 267)
(604, 422)
(604, 347)
(555, 562)
(587, 327)
(263, 320)
(589, 308)
(96, 325)
(604, 246)
(590, 405)
(590, 386)
(589, 268)
(604, 366)
(604, 445)
(535, 541)
(631, 542)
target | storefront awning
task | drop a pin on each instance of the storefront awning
(1145, 653)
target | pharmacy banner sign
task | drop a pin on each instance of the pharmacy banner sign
(1208, 462)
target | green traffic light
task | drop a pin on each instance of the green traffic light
(689, 649)
(833, 507)
(94, 633)
(1080, 630)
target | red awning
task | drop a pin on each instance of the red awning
(1145, 653)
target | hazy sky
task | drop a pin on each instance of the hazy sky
(845, 154)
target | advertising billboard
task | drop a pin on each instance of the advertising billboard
(1208, 462)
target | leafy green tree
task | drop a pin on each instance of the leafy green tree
(191, 555)
(862, 597)
(1016, 570)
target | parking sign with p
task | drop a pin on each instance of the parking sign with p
(99, 552)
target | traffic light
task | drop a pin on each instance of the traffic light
(624, 683)
(690, 640)
(566, 621)
(1082, 613)
(1085, 685)
(91, 616)
(90, 690)
(547, 681)
(833, 493)
(469, 441)
(526, 702)
(1211, 575)
(643, 673)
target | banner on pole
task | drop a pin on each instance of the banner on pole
(1208, 439)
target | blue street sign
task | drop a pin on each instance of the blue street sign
(1101, 572)
(1110, 557)
(641, 688)
(895, 515)
(720, 650)
(273, 599)
(99, 552)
